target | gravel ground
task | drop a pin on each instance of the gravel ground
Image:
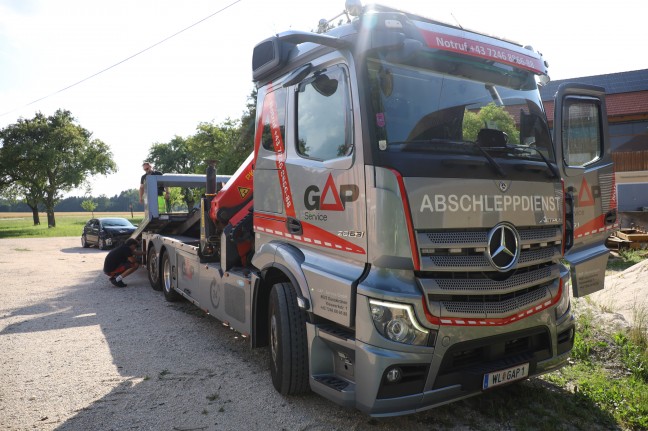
(79, 354)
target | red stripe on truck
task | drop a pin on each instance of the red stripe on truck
(311, 235)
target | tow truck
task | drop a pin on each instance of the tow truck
(399, 236)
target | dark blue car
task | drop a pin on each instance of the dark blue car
(106, 232)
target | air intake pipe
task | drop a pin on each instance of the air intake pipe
(209, 240)
(211, 178)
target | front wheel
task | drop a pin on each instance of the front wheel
(153, 267)
(167, 279)
(101, 245)
(288, 346)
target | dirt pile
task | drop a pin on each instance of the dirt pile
(626, 293)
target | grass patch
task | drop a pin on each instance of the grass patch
(67, 224)
(625, 259)
(609, 371)
(535, 404)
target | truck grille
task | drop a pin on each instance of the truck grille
(495, 304)
(459, 279)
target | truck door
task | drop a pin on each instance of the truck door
(313, 181)
(329, 181)
(583, 156)
(311, 190)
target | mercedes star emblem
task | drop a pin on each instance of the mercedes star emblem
(503, 248)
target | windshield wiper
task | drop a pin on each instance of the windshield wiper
(522, 148)
(424, 145)
(491, 160)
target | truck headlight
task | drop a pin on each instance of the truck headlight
(397, 322)
(563, 304)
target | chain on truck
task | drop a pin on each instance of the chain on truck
(397, 235)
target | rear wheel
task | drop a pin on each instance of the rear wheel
(288, 346)
(84, 242)
(153, 267)
(167, 279)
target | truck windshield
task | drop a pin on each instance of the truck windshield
(457, 105)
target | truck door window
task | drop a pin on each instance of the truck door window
(581, 132)
(274, 109)
(323, 116)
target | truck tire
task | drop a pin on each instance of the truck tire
(153, 269)
(166, 277)
(288, 346)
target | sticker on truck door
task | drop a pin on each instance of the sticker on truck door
(330, 198)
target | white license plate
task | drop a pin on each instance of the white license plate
(501, 377)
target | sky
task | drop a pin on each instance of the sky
(204, 73)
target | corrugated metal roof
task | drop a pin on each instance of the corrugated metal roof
(614, 83)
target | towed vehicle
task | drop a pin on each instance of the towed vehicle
(106, 232)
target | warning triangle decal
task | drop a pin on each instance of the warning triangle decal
(330, 188)
(243, 191)
(585, 198)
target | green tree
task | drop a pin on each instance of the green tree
(52, 155)
(174, 156)
(212, 142)
(229, 142)
(18, 166)
(104, 203)
(245, 144)
(493, 117)
(30, 195)
(89, 205)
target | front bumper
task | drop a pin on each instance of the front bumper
(436, 376)
(115, 240)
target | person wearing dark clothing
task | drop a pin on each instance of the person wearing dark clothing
(121, 261)
(162, 192)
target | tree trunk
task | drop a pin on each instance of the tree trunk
(35, 215)
(51, 221)
(189, 198)
(49, 209)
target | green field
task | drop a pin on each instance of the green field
(21, 225)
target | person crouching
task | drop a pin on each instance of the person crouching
(121, 262)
